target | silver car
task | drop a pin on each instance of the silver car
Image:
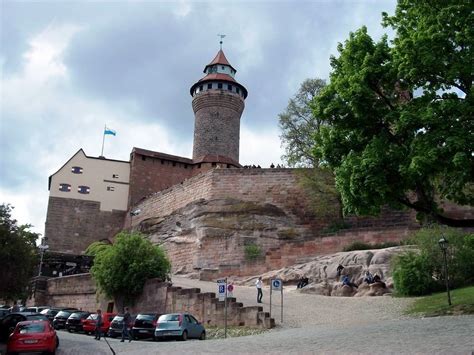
(179, 326)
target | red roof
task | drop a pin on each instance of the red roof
(219, 59)
(218, 76)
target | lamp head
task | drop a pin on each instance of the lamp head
(443, 243)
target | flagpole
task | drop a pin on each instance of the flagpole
(103, 140)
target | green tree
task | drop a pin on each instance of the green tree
(18, 255)
(398, 117)
(298, 123)
(122, 269)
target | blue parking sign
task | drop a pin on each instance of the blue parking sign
(277, 284)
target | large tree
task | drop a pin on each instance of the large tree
(18, 255)
(297, 124)
(121, 270)
(399, 115)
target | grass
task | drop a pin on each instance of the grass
(232, 332)
(462, 300)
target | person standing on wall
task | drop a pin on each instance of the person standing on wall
(126, 325)
(259, 285)
(98, 325)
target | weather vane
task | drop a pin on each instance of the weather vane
(221, 36)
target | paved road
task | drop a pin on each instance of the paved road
(445, 335)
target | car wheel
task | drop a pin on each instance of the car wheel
(69, 330)
(203, 336)
(184, 337)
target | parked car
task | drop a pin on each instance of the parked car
(75, 321)
(33, 336)
(9, 322)
(35, 309)
(144, 325)
(59, 321)
(50, 313)
(115, 329)
(88, 324)
(179, 325)
(4, 312)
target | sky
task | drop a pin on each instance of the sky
(70, 67)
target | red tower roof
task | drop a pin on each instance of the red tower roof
(219, 59)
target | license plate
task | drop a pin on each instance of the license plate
(143, 331)
(30, 341)
(168, 333)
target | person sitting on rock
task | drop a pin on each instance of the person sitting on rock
(339, 270)
(369, 279)
(303, 282)
(347, 282)
(377, 279)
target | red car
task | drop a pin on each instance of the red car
(88, 325)
(33, 336)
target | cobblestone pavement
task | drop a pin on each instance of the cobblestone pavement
(441, 335)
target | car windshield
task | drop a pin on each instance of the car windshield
(31, 328)
(118, 318)
(145, 317)
(63, 314)
(169, 318)
(92, 316)
(77, 315)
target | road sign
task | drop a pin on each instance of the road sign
(277, 284)
(221, 289)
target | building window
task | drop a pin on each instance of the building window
(228, 166)
(76, 170)
(199, 166)
(174, 163)
(162, 162)
(219, 85)
(237, 90)
(143, 157)
(214, 164)
(185, 166)
(115, 176)
(222, 67)
(83, 189)
(209, 86)
(110, 188)
(229, 87)
(64, 187)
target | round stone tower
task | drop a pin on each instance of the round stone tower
(218, 103)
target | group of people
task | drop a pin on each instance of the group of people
(368, 278)
(125, 325)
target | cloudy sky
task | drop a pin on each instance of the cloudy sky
(70, 67)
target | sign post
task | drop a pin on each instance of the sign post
(277, 285)
(222, 291)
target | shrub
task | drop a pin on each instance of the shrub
(252, 252)
(424, 273)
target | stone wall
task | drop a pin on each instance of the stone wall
(217, 124)
(71, 224)
(79, 291)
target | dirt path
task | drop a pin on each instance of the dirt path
(305, 309)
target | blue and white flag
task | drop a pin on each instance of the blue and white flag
(109, 131)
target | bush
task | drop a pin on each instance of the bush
(366, 246)
(423, 273)
(252, 252)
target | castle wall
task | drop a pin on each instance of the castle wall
(72, 225)
(79, 291)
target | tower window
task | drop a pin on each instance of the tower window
(83, 189)
(209, 86)
(143, 157)
(229, 87)
(64, 187)
(222, 67)
(237, 90)
(219, 85)
(174, 163)
(200, 88)
(214, 164)
(199, 166)
(110, 188)
(76, 170)
(115, 176)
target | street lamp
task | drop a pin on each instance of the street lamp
(443, 244)
(43, 248)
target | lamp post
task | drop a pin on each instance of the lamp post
(43, 248)
(443, 244)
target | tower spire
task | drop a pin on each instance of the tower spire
(222, 37)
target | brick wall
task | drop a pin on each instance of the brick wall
(79, 291)
(71, 225)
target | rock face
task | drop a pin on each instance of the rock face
(322, 273)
